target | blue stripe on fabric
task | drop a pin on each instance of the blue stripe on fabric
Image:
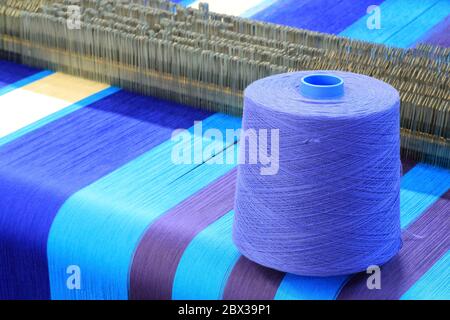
(434, 284)
(59, 114)
(395, 14)
(11, 72)
(24, 82)
(207, 262)
(294, 13)
(41, 170)
(295, 287)
(99, 228)
(329, 16)
(420, 188)
(417, 28)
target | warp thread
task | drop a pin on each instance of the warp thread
(333, 208)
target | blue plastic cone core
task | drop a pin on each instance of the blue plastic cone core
(322, 86)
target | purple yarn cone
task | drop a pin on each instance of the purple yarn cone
(332, 208)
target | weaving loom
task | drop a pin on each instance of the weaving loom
(86, 177)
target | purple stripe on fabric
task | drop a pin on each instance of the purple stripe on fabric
(250, 281)
(439, 35)
(425, 242)
(329, 16)
(161, 248)
(407, 165)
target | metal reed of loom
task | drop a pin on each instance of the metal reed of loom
(206, 59)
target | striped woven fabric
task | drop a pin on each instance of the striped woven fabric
(87, 185)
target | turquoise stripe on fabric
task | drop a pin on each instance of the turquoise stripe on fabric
(24, 82)
(434, 284)
(186, 3)
(395, 14)
(99, 227)
(421, 187)
(417, 28)
(57, 115)
(206, 264)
